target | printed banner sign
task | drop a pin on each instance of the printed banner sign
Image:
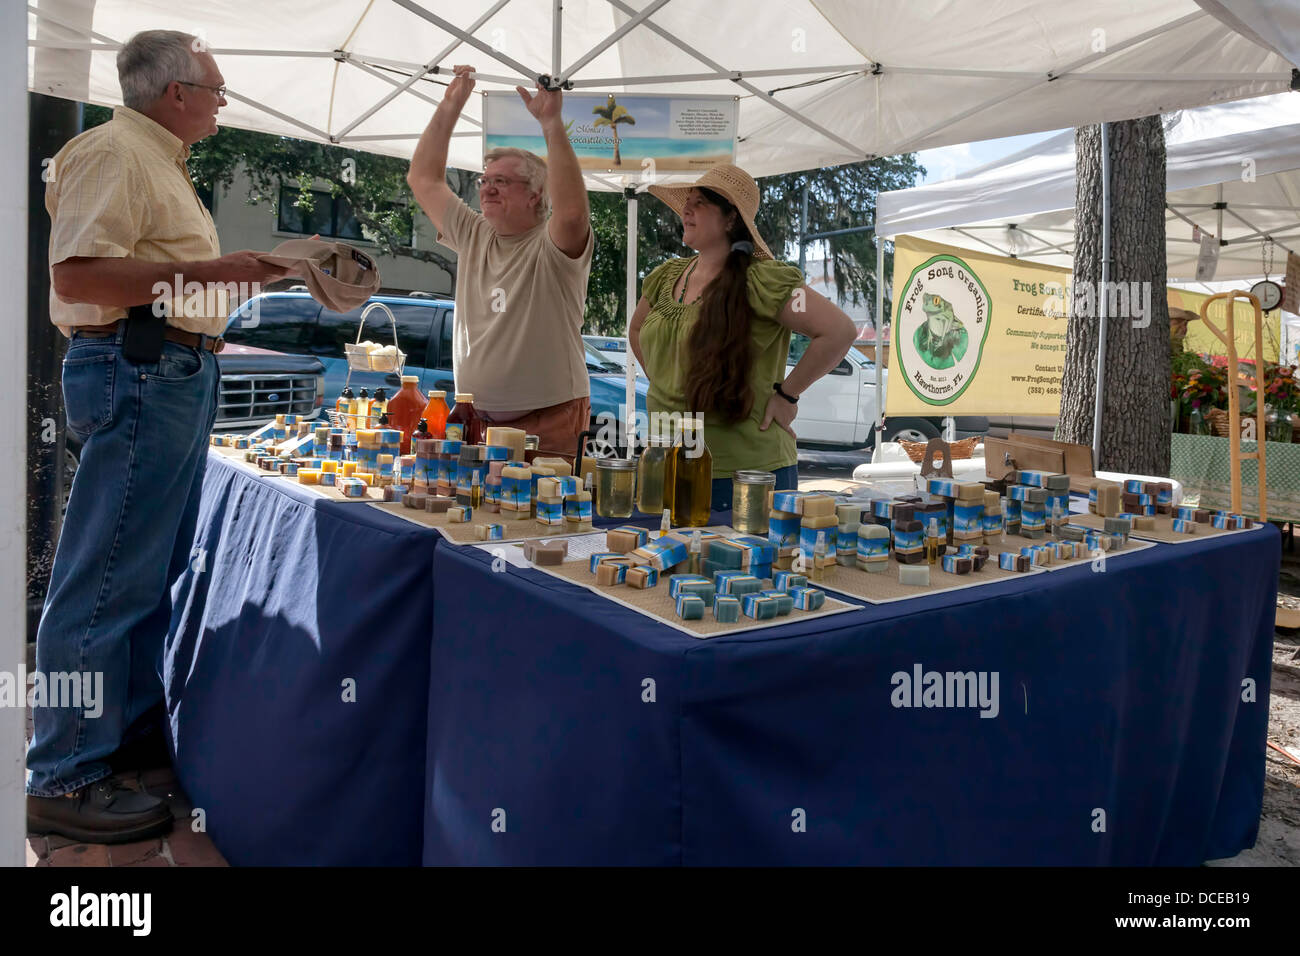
(974, 334)
(639, 134)
(1201, 339)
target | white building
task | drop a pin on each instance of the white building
(264, 225)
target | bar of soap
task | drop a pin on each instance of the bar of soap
(807, 598)
(1183, 526)
(642, 577)
(759, 607)
(624, 540)
(460, 514)
(954, 564)
(611, 571)
(784, 603)
(724, 554)
(726, 609)
(690, 607)
(489, 532)
(308, 476)
(917, 575)
(785, 580)
(818, 506)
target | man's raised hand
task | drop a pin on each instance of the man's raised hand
(461, 86)
(544, 104)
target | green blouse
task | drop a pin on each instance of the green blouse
(667, 329)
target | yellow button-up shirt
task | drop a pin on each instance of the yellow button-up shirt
(122, 189)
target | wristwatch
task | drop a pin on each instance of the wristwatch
(776, 387)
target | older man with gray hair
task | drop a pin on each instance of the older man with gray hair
(140, 388)
(521, 272)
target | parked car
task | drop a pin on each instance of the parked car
(839, 409)
(295, 323)
(611, 347)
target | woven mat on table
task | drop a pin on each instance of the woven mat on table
(1164, 530)
(655, 602)
(884, 588)
(329, 492)
(459, 532)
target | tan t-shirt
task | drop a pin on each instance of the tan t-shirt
(517, 340)
(122, 189)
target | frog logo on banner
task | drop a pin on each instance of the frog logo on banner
(941, 328)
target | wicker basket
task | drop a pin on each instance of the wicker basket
(1218, 419)
(958, 449)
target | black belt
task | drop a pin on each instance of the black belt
(194, 340)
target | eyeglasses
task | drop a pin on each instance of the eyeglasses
(496, 182)
(219, 90)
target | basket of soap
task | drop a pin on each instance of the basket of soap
(373, 357)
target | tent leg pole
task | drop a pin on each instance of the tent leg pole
(13, 433)
(1101, 297)
(557, 15)
(630, 408)
(879, 423)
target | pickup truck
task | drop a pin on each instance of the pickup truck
(293, 322)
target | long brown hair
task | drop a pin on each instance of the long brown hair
(717, 379)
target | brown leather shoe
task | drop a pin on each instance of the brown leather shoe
(101, 812)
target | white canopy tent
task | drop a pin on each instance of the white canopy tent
(819, 82)
(1233, 170)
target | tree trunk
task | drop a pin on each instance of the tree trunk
(1135, 408)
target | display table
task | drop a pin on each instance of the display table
(1203, 465)
(563, 728)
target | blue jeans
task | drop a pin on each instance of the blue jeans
(787, 478)
(126, 537)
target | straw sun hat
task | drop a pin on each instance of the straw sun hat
(730, 181)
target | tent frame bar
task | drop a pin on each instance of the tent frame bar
(605, 82)
(1070, 69)
(349, 59)
(743, 84)
(424, 71)
(469, 38)
(270, 111)
(609, 41)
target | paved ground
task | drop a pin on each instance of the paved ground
(181, 847)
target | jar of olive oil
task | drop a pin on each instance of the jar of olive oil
(653, 493)
(692, 476)
(615, 487)
(751, 501)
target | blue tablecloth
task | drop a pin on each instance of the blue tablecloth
(1121, 735)
(291, 597)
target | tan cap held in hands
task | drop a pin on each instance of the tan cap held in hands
(338, 276)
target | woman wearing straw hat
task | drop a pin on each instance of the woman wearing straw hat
(713, 332)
